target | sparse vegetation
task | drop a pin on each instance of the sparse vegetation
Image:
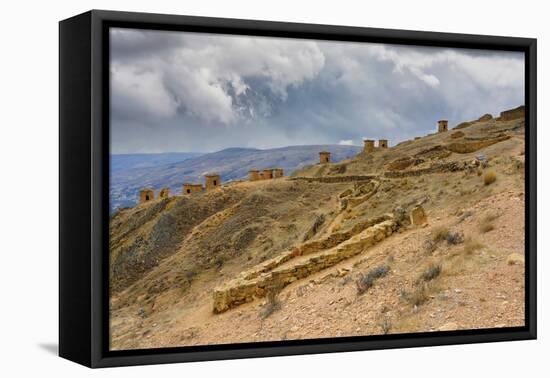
(432, 272)
(490, 177)
(386, 325)
(439, 234)
(442, 233)
(418, 296)
(472, 245)
(487, 224)
(454, 238)
(273, 303)
(366, 281)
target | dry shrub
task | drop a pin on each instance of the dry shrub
(418, 296)
(442, 233)
(366, 281)
(431, 273)
(489, 177)
(273, 302)
(385, 324)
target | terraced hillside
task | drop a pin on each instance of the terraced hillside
(331, 250)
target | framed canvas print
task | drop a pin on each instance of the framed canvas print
(234, 188)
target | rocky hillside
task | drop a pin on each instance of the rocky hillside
(331, 250)
(131, 173)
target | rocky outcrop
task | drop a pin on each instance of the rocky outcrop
(512, 114)
(286, 268)
(485, 118)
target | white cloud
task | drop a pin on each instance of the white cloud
(205, 71)
(346, 142)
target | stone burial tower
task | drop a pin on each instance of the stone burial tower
(254, 175)
(278, 172)
(212, 181)
(324, 157)
(382, 143)
(146, 195)
(442, 126)
(189, 188)
(368, 145)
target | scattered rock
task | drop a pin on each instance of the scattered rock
(451, 326)
(515, 259)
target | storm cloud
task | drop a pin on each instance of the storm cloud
(176, 91)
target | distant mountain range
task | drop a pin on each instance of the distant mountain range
(123, 162)
(131, 173)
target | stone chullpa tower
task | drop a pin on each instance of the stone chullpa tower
(382, 143)
(254, 175)
(164, 193)
(146, 195)
(324, 157)
(192, 188)
(268, 174)
(442, 126)
(368, 145)
(212, 181)
(278, 172)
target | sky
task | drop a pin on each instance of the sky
(197, 92)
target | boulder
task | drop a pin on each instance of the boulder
(418, 216)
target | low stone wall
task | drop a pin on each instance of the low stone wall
(334, 179)
(454, 166)
(468, 147)
(359, 196)
(275, 273)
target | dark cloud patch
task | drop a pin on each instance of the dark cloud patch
(175, 91)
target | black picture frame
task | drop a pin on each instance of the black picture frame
(84, 187)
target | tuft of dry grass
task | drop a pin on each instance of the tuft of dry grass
(472, 245)
(487, 224)
(439, 234)
(490, 177)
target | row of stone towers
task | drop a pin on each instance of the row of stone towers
(266, 174)
(369, 145)
(211, 182)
